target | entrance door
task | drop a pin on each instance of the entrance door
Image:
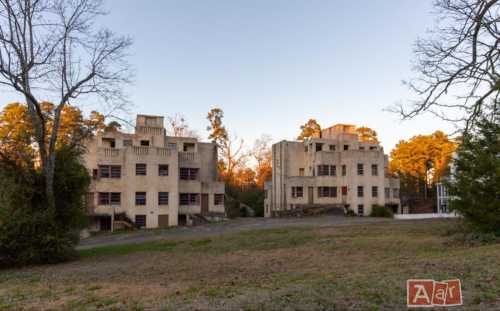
(204, 203)
(310, 195)
(162, 220)
(105, 223)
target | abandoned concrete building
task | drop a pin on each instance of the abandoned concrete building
(336, 169)
(151, 179)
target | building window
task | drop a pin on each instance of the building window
(344, 170)
(332, 147)
(189, 147)
(187, 173)
(162, 198)
(163, 170)
(110, 171)
(219, 199)
(103, 198)
(140, 169)
(189, 199)
(301, 171)
(327, 192)
(323, 170)
(361, 169)
(360, 191)
(172, 146)
(140, 198)
(297, 192)
(127, 142)
(395, 193)
(140, 221)
(373, 148)
(104, 171)
(374, 170)
(144, 143)
(333, 170)
(361, 148)
(319, 147)
(109, 142)
(327, 170)
(374, 191)
(361, 210)
(346, 147)
(116, 198)
(116, 171)
(387, 192)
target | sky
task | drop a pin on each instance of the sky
(273, 64)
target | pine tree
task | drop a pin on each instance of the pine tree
(476, 181)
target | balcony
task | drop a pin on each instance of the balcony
(109, 152)
(189, 158)
(141, 151)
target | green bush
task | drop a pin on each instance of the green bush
(31, 233)
(381, 211)
(350, 213)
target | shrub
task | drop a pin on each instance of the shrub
(350, 213)
(381, 211)
(30, 233)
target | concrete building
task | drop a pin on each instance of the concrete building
(334, 169)
(151, 179)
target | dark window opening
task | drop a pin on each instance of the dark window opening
(374, 170)
(344, 170)
(187, 173)
(145, 143)
(360, 169)
(116, 198)
(189, 199)
(162, 170)
(361, 210)
(140, 169)
(162, 198)
(319, 147)
(140, 198)
(140, 221)
(360, 191)
(327, 192)
(218, 199)
(374, 191)
(346, 147)
(297, 192)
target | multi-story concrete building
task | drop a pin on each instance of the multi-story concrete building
(334, 169)
(153, 179)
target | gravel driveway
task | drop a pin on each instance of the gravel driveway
(233, 225)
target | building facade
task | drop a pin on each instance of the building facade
(334, 169)
(151, 179)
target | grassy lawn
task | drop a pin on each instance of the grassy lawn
(356, 267)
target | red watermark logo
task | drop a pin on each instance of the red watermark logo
(430, 293)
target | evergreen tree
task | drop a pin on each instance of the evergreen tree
(476, 181)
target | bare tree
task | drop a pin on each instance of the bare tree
(50, 50)
(178, 127)
(458, 65)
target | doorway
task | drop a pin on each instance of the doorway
(204, 203)
(310, 195)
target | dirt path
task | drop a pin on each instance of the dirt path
(233, 225)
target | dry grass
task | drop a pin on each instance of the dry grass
(359, 267)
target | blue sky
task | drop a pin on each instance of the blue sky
(271, 65)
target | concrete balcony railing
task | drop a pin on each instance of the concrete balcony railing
(188, 157)
(109, 152)
(139, 150)
(163, 152)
